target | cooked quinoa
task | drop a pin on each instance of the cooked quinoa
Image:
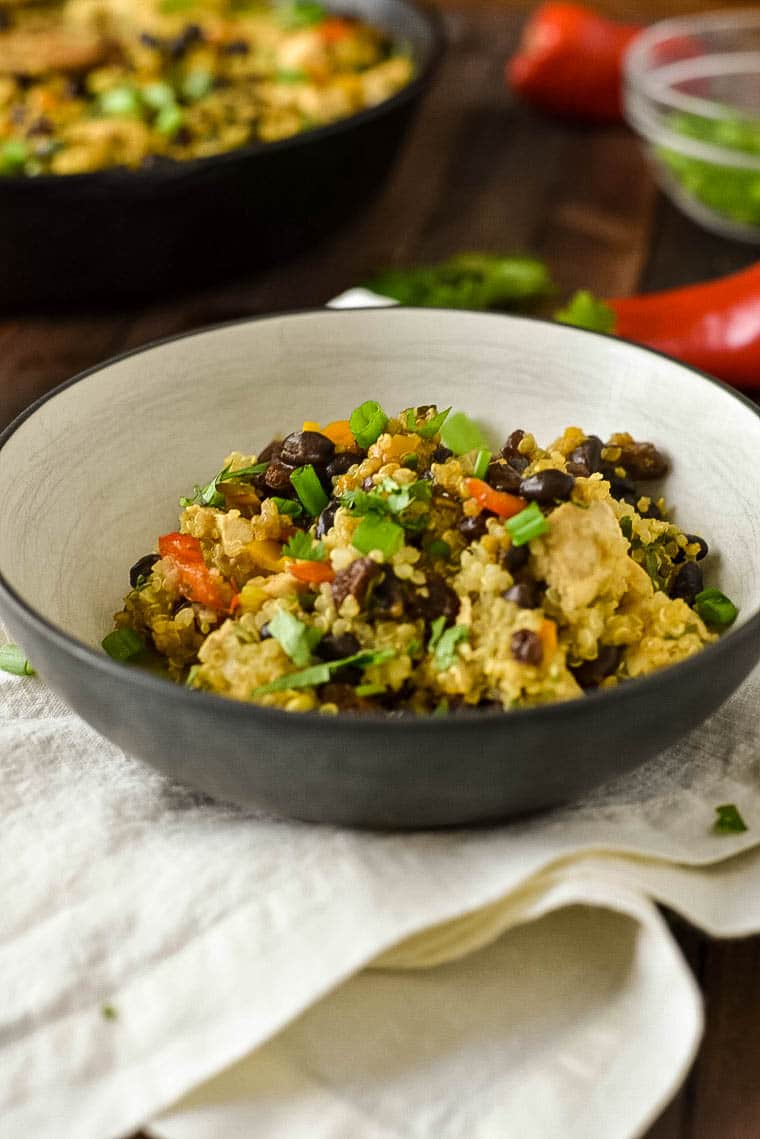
(89, 84)
(397, 565)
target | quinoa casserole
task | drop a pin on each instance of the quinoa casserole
(91, 84)
(398, 566)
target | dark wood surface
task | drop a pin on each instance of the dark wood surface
(479, 172)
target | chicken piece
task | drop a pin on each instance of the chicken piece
(583, 557)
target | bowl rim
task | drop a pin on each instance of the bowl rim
(315, 720)
(111, 177)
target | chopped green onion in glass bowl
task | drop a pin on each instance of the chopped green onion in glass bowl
(692, 92)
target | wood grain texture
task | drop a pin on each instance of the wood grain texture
(482, 172)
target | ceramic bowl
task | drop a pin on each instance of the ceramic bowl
(92, 474)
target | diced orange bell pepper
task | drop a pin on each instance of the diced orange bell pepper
(548, 635)
(497, 501)
(311, 572)
(340, 432)
(197, 582)
(333, 30)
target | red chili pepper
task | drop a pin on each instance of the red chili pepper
(570, 62)
(714, 326)
(197, 582)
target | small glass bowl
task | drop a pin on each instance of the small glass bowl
(692, 92)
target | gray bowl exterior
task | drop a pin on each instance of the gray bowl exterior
(476, 768)
(125, 234)
(361, 771)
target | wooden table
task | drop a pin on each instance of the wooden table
(480, 172)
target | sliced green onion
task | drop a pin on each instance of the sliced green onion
(196, 84)
(309, 489)
(302, 546)
(287, 506)
(169, 119)
(119, 101)
(301, 14)
(527, 525)
(123, 644)
(728, 820)
(461, 435)
(13, 659)
(14, 155)
(439, 549)
(370, 689)
(413, 647)
(445, 654)
(377, 533)
(297, 639)
(367, 422)
(482, 461)
(157, 95)
(715, 608)
(321, 673)
(411, 460)
(441, 707)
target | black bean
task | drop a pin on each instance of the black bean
(515, 558)
(511, 453)
(473, 527)
(704, 549)
(302, 447)
(687, 583)
(277, 477)
(41, 126)
(5, 20)
(503, 477)
(147, 39)
(344, 695)
(622, 488)
(523, 593)
(190, 35)
(142, 568)
(271, 451)
(236, 47)
(388, 596)
(341, 463)
(547, 486)
(264, 634)
(337, 647)
(526, 647)
(326, 519)
(354, 581)
(587, 456)
(441, 601)
(642, 461)
(441, 454)
(591, 673)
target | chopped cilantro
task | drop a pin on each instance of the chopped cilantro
(436, 632)
(301, 14)
(123, 644)
(728, 820)
(109, 1012)
(426, 428)
(303, 547)
(438, 549)
(377, 533)
(460, 434)
(297, 639)
(210, 496)
(626, 526)
(586, 311)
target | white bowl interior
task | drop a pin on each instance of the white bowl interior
(93, 476)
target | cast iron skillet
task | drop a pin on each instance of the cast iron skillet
(127, 234)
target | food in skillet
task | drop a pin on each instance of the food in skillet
(89, 84)
(398, 565)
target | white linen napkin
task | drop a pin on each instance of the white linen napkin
(212, 932)
(523, 982)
